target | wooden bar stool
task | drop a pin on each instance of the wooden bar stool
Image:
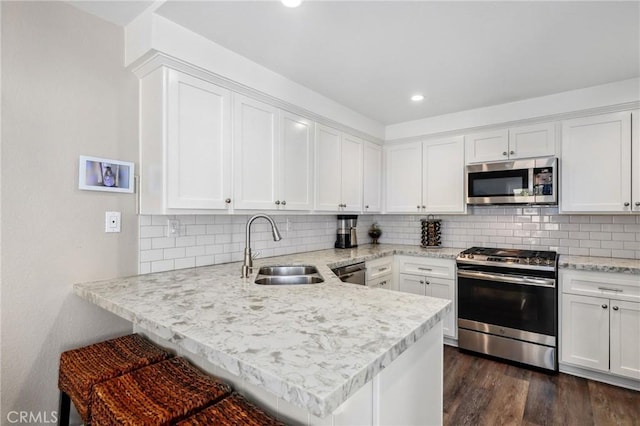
(159, 394)
(81, 369)
(234, 410)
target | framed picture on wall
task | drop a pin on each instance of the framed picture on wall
(103, 174)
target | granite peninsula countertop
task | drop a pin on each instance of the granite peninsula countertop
(311, 345)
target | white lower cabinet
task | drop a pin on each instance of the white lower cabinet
(380, 273)
(430, 277)
(601, 322)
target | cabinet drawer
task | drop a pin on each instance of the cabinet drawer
(442, 268)
(383, 281)
(379, 267)
(601, 284)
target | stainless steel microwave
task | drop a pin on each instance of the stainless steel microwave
(531, 181)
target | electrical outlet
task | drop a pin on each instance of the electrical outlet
(112, 222)
(173, 228)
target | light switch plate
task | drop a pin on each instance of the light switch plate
(112, 222)
(173, 228)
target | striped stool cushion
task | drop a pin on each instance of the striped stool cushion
(159, 394)
(233, 410)
(82, 368)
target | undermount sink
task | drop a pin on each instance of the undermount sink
(288, 275)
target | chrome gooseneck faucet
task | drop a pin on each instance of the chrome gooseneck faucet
(248, 259)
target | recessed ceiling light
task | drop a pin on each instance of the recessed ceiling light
(291, 3)
(417, 98)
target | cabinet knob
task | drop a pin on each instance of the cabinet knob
(383, 283)
(626, 204)
(421, 282)
(284, 203)
(228, 201)
(418, 207)
(511, 152)
(504, 153)
(277, 202)
(424, 207)
(366, 207)
(615, 308)
(604, 306)
(637, 203)
(427, 282)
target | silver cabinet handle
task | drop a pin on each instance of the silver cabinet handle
(382, 269)
(511, 152)
(228, 201)
(504, 153)
(383, 283)
(277, 202)
(425, 269)
(284, 203)
(604, 306)
(617, 290)
(615, 308)
(626, 204)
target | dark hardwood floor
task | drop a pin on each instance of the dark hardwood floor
(480, 391)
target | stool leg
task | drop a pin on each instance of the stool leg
(64, 409)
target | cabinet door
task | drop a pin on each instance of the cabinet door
(487, 146)
(635, 161)
(596, 168)
(328, 168)
(412, 284)
(403, 166)
(351, 183)
(443, 176)
(538, 140)
(585, 331)
(198, 143)
(444, 289)
(372, 177)
(625, 338)
(296, 155)
(255, 141)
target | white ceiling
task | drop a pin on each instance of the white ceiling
(372, 55)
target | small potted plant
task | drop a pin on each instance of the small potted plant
(375, 232)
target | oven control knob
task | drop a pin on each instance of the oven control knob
(462, 255)
(470, 256)
(537, 260)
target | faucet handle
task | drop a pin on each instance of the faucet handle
(256, 254)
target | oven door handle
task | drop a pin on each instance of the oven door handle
(541, 282)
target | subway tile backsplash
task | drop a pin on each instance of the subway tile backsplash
(208, 240)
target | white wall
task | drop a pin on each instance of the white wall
(65, 93)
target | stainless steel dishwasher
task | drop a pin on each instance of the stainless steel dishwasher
(355, 274)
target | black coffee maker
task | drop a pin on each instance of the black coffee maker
(346, 237)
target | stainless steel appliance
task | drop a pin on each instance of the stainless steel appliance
(533, 181)
(508, 304)
(355, 274)
(346, 236)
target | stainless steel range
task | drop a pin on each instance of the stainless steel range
(508, 304)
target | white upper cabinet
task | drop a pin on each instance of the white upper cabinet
(273, 157)
(425, 177)
(536, 140)
(372, 177)
(338, 171)
(443, 176)
(635, 161)
(596, 164)
(255, 149)
(403, 167)
(295, 187)
(185, 155)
